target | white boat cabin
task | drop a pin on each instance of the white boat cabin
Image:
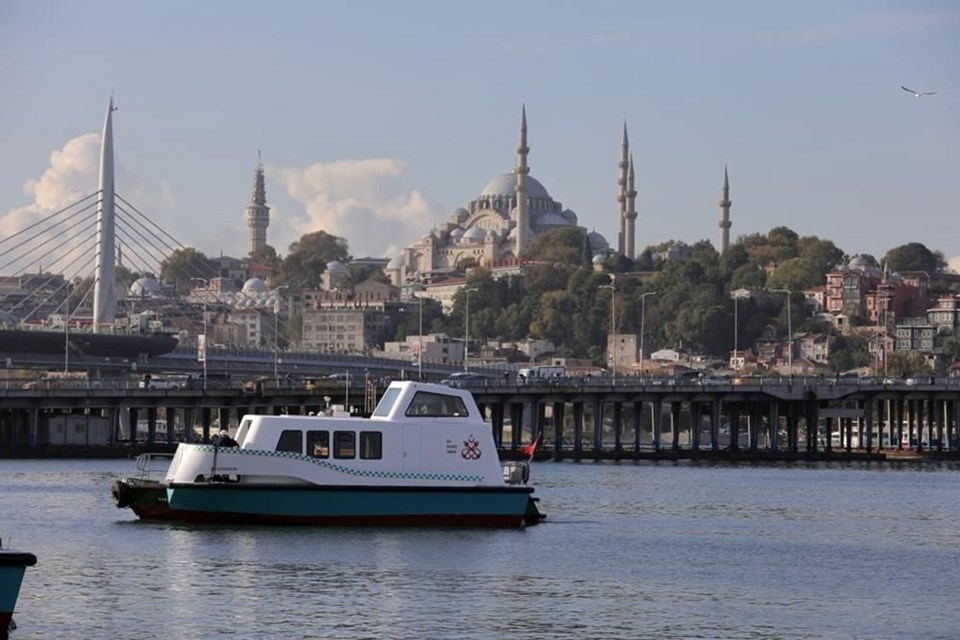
(420, 434)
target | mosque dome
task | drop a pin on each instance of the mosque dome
(335, 266)
(506, 185)
(395, 263)
(597, 259)
(145, 287)
(597, 242)
(475, 233)
(254, 285)
(456, 233)
(551, 219)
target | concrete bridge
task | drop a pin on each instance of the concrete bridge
(589, 418)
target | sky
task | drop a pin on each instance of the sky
(377, 119)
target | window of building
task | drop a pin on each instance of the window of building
(290, 440)
(371, 445)
(318, 444)
(344, 444)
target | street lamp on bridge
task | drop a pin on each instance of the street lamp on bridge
(466, 331)
(202, 339)
(276, 332)
(613, 327)
(789, 330)
(643, 311)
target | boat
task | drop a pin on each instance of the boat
(13, 564)
(85, 343)
(424, 457)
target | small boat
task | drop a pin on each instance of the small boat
(424, 457)
(13, 564)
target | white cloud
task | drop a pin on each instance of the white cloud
(63, 243)
(363, 201)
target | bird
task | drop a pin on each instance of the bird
(918, 94)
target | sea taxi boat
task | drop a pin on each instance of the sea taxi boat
(424, 457)
(13, 564)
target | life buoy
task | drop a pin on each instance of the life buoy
(525, 472)
(121, 494)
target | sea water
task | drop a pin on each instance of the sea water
(646, 550)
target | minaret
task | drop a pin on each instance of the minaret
(105, 289)
(258, 213)
(622, 192)
(725, 214)
(630, 214)
(521, 171)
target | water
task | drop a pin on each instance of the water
(628, 551)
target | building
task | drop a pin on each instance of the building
(258, 213)
(493, 229)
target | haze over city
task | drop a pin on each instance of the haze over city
(376, 120)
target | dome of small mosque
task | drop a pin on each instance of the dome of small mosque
(145, 287)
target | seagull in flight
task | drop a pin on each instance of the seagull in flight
(918, 94)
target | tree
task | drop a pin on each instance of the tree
(914, 256)
(267, 256)
(823, 254)
(849, 352)
(308, 258)
(184, 265)
(795, 274)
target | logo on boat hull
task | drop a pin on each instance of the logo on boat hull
(471, 449)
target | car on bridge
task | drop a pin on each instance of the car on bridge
(462, 379)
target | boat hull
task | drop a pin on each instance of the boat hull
(13, 565)
(232, 503)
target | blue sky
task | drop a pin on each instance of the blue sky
(377, 119)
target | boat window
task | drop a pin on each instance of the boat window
(386, 403)
(436, 405)
(318, 444)
(344, 444)
(371, 445)
(290, 440)
(242, 431)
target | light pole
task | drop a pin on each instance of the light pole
(466, 331)
(420, 343)
(202, 340)
(736, 295)
(789, 330)
(276, 332)
(643, 311)
(613, 327)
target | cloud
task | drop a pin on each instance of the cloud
(65, 243)
(363, 201)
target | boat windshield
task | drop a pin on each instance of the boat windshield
(386, 403)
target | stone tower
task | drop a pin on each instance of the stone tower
(725, 223)
(521, 171)
(630, 214)
(258, 213)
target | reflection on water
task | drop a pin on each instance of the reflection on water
(627, 551)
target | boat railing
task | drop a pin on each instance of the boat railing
(153, 465)
(516, 472)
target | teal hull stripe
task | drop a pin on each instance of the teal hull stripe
(10, 579)
(338, 503)
(362, 473)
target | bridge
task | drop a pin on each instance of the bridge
(588, 418)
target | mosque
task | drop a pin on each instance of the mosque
(511, 211)
(494, 229)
